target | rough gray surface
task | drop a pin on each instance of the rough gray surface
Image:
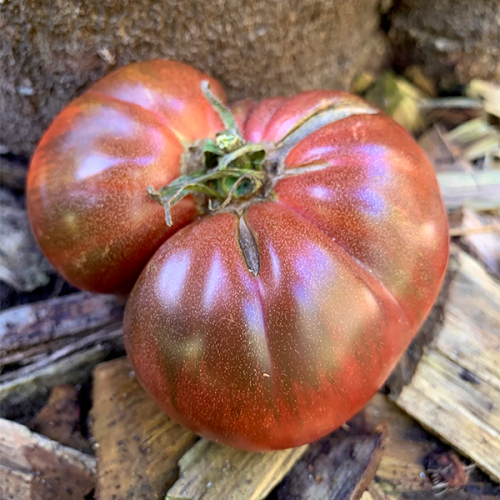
(22, 265)
(454, 40)
(50, 50)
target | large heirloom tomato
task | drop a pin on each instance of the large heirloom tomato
(307, 243)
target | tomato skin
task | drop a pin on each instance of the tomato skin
(86, 187)
(352, 244)
(265, 362)
(352, 255)
(379, 201)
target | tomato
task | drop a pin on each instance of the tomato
(86, 187)
(307, 243)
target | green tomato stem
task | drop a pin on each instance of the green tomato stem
(224, 112)
(231, 169)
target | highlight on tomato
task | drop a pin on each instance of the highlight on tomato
(281, 254)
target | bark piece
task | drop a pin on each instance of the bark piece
(33, 467)
(22, 264)
(24, 391)
(50, 52)
(52, 342)
(213, 471)
(31, 330)
(338, 467)
(137, 445)
(60, 418)
(455, 390)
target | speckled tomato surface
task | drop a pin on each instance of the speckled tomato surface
(284, 293)
(86, 188)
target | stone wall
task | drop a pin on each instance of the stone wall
(50, 50)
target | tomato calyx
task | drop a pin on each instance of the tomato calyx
(232, 169)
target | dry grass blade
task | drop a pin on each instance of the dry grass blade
(475, 139)
(476, 190)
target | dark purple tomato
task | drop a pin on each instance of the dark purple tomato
(286, 288)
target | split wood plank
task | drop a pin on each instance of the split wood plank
(213, 471)
(78, 344)
(338, 467)
(137, 445)
(402, 473)
(33, 467)
(455, 390)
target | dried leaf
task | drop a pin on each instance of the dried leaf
(399, 99)
(488, 92)
(363, 82)
(417, 76)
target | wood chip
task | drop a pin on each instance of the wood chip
(137, 445)
(213, 471)
(375, 492)
(476, 229)
(33, 467)
(22, 264)
(36, 324)
(60, 418)
(338, 467)
(401, 468)
(485, 247)
(455, 390)
(475, 139)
